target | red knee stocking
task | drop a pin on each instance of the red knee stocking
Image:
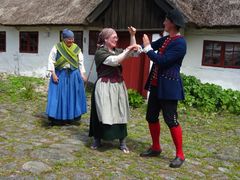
(155, 134)
(176, 133)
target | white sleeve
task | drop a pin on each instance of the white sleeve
(147, 48)
(81, 62)
(52, 59)
(115, 60)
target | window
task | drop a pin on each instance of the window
(28, 42)
(232, 54)
(78, 38)
(221, 54)
(93, 38)
(2, 41)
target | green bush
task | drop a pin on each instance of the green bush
(209, 97)
(135, 99)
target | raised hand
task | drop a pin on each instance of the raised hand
(146, 40)
(132, 30)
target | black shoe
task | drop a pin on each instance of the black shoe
(96, 144)
(122, 146)
(124, 149)
(150, 153)
(176, 163)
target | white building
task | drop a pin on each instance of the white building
(34, 63)
(221, 73)
(213, 40)
(29, 29)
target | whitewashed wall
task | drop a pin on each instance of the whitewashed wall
(12, 61)
(192, 64)
(28, 64)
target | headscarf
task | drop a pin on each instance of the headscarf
(67, 34)
(104, 34)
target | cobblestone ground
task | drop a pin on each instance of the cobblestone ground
(30, 148)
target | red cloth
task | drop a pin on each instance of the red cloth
(154, 76)
(155, 134)
(176, 133)
(154, 81)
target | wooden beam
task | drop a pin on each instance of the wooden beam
(98, 11)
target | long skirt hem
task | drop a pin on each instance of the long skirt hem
(66, 99)
(104, 131)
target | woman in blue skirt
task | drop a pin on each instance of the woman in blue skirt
(66, 95)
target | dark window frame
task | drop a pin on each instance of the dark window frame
(27, 48)
(222, 54)
(93, 38)
(3, 41)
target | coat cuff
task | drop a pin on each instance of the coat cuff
(147, 48)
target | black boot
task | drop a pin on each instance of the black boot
(150, 153)
(176, 163)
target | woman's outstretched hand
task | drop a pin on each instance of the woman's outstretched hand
(134, 47)
(132, 30)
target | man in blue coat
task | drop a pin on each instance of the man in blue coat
(165, 85)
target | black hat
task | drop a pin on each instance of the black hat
(176, 17)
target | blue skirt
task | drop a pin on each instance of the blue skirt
(66, 99)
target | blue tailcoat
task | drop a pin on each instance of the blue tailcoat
(169, 81)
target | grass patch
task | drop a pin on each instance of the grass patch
(15, 88)
(205, 136)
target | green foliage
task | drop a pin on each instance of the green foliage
(209, 97)
(28, 91)
(135, 99)
(19, 87)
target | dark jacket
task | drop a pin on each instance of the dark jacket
(169, 81)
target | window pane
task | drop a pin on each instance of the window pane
(216, 56)
(208, 53)
(2, 47)
(2, 41)
(208, 60)
(23, 42)
(236, 56)
(232, 54)
(216, 60)
(228, 47)
(78, 38)
(212, 53)
(209, 46)
(93, 37)
(29, 42)
(236, 61)
(217, 46)
(33, 42)
(228, 59)
(237, 47)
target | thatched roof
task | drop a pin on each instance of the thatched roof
(41, 12)
(208, 13)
